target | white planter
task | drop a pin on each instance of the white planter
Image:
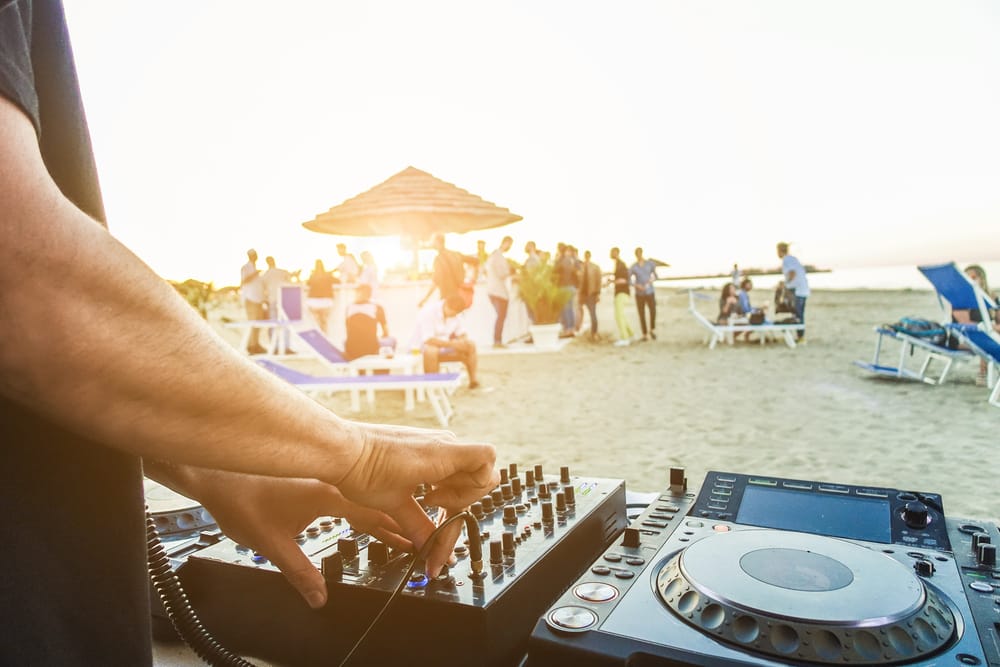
(545, 336)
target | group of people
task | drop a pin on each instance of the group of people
(789, 297)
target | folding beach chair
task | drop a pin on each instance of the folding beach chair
(961, 293)
(919, 358)
(718, 333)
(436, 386)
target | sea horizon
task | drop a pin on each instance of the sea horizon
(891, 277)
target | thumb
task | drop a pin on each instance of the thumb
(300, 572)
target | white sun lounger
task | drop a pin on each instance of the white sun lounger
(719, 333)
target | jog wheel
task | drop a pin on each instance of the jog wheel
(805, 598)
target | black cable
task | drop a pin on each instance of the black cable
(178, 607)
(475, 555)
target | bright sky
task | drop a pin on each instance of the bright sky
(864, 132)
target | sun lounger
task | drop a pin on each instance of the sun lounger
(961, 293)
(718, 333)
(436, 386)
(919, 359)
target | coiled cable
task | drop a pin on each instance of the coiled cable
(178, 607)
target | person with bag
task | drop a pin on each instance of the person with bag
(449, 274)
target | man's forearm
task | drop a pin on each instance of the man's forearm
(92, 338)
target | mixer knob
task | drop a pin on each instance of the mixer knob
(979, 538)
(515, 485)
(510, 515)
(539, 477)
(503, 476)
(378, 553)
(508, 545)
(348, 547)
(547, 512)
(987, 554)
(570, 493)
(497, 498)
(512, 468)
(507, 492)
(487, 502)
(915, 514)
(543, 490)
(477, 510)
(496, 552)
(630, 538)
(564, 474)
(560, 502)
(529, 478)
(924, 568)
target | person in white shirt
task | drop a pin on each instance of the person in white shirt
(440, 336)
(796, 281)
(349, 269)
(497, 273)
(252, 291)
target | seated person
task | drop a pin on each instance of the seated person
(977, 274)
(439, 335)
(364, 317)
(729, 304)
(756, 315)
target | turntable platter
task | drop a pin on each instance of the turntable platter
(805, 596)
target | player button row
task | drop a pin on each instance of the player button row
(604, 570)
(613, 557)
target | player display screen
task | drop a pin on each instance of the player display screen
(837, 516)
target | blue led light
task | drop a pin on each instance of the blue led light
(417, 581)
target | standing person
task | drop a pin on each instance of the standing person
(449, 272)
(567, 279)
(364, 317)
(643, 274)
(736, 275)
(497, 273)
(440, 336)
(273, 279)
(320, 294)
(369, 273)
(348, 270)
(796, 282)
(621, 282)
(533, 257)
(590, 290)
(252, 293)
(128, 380)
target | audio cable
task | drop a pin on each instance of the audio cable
(178, 607)
(475, 561)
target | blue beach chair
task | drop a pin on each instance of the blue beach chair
(961, 293)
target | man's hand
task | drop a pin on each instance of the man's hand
(266, 513)
(395, 459)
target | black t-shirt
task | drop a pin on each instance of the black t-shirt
(621, 271)
(73, 583)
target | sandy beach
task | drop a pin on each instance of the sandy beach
(806, 413)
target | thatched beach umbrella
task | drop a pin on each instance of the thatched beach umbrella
(411, 204)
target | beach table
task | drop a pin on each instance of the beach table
(403, 364)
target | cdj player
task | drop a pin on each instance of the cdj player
(755, 570)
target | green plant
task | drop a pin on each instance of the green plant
(196, 293)
(540, 293)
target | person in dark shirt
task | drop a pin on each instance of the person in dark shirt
(113, 375)
(364, 318)
(621, 282)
